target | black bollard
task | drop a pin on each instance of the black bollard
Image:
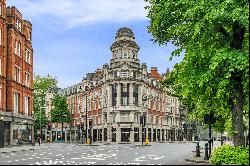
(206, 151)
(198, 150)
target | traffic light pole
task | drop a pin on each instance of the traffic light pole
(210, 139)
(86, 121)
(142, 134)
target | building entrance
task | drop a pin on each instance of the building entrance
(125, 134)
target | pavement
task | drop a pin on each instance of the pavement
(200, 160)
(25, 147)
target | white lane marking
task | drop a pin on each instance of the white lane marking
(148, 157)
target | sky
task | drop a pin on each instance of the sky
(71, 38)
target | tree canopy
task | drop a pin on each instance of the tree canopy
(42, 85)
(60, 112)
(214, 34)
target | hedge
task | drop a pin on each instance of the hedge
(228, 154)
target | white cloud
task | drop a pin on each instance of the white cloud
(72, 13)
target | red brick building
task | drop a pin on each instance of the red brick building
(16, 77)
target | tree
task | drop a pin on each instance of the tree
(59, 112)
(214, 34)
(40, 121)
(42, 85)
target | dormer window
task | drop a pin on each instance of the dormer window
(19, 25)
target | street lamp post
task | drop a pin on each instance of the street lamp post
(86, 116)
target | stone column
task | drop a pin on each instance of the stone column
(56, 135)
(102, 134)
(118, 94)
(118, 134)
(32, 133)
(131, 116)
(130, 94)
(109, 95)
(140, 134)
(65, 135)
(11, 133)
(109, 134)
(132, 134)
(160, 134)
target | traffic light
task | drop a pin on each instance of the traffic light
(141, 120)
(49, 126)
(78, 126)
(90, 123)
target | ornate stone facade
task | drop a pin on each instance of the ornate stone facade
(116, 95)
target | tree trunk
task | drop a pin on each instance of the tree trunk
(237, 98)
(237, 112)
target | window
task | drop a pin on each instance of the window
(27, 55)
(17, 74)
(29, 36)
(26, 105)
(19, 25)
(15, 47)
(27, 79)
(124, 74)
(125, 54)
(135, 95)
(124, 94)
(1, 10)
(16, 102)
(114, 94)
(19, 49)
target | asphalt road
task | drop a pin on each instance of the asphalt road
(116, 154)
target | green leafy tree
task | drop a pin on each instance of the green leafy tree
(213, 75)
(42, 85)
(59, 112)
(40, 121)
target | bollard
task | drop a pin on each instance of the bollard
(198, 150)
(206, 151)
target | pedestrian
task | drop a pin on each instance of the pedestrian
(39, 141)
(30, 139)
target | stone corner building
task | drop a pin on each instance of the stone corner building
(118, 94)
(16, 77)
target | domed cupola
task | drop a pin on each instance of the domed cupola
(124, 48)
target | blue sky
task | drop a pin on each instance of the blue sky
(73, 37)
